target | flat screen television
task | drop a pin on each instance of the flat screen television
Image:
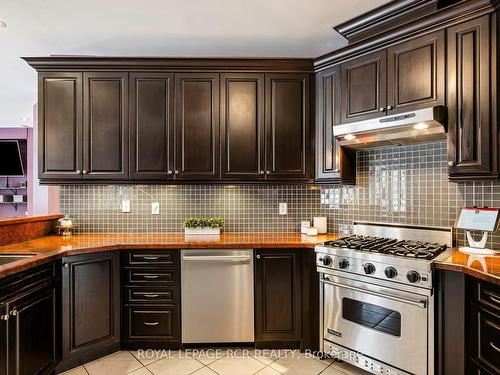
(11, 163)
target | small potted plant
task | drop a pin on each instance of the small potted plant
(203, 225)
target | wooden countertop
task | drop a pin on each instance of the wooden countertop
(486, 268)
(50, 248)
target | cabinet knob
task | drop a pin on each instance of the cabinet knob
(261, 172)
(381, 109)
(268, 172)
(336, 170)
(389, 107)
(66, 265)
(258, 256)
(13, 312)
(4, 317)
(170, 172)
(78, 171)
(176, 172)
(451, 164)
(84, 171)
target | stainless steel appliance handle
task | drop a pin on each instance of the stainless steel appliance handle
(421, 304)
(218, 258)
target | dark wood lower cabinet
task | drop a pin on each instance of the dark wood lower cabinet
(90, 307)
(278, 297)
(467, 325)
(151, 299)
(29, 325)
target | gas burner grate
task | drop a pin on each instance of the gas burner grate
(409, 249)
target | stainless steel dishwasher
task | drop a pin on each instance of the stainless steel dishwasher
(217, 296)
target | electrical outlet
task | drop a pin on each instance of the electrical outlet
(283, 209)
(155, 208)
(126, 206)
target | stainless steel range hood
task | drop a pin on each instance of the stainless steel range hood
(422, 125)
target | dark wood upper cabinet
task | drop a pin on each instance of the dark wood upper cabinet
(277, 296)
(364, 84)
(472, 133)
(334, 164)
(91, 307)
(242, 126)
(60, 125)
(416, 73)
(105, 125)
(287, 127)
(151, 107)
(196, 126)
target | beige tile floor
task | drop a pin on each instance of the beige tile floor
(213, 362)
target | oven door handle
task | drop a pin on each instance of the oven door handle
(421, 304)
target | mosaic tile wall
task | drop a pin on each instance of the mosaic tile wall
(406, 184)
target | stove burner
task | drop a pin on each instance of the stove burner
(410, 249)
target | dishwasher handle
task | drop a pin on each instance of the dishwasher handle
(216, 258)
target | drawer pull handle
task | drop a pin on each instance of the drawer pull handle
(151, 295)
(151, 323)
(149, 257)
(151, 276)
(496, 300)
(494, 346)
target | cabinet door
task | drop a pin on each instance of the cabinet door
(277, 295)
(151, 125)
(470, 134)
(242, 126)
(333, 163)
(105, 133)
(91, 306)
(33, 333)
(196, 126)
(60, 126)
(3, 339)
(364, 92)
(287, 127)
(416, 73)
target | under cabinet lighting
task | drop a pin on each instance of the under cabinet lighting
(350, 137)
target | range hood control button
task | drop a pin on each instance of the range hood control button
(391, 272)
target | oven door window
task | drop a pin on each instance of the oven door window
(372, 316)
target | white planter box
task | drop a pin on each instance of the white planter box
(202, 230)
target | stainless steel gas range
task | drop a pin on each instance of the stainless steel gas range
(377, 304)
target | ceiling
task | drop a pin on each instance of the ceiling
(184, 28)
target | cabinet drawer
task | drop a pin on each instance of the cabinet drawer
(153, 323)
(488, 296)
(486, 345)
(142, 276)
(152, 295)
(152, 257)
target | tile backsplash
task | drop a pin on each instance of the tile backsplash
(406, 184)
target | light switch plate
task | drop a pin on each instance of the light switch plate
(283, 209)
(126, 206)
(155, 208)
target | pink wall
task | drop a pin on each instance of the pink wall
(42, 200)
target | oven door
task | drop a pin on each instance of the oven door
(382, 323)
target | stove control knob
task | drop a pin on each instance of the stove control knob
(343, 264)
(413, 276)
(369, 268)
(391, 272)
(327, 261)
